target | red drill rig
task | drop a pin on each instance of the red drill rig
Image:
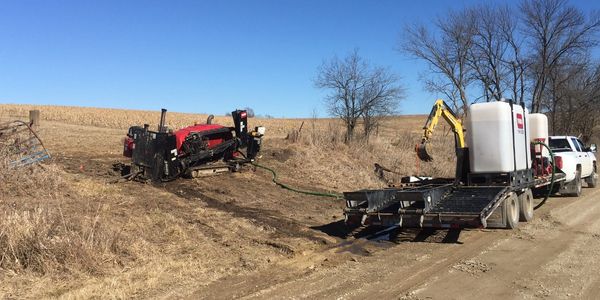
(201, 149)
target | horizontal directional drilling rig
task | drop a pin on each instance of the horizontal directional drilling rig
(193, 151)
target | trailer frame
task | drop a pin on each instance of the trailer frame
(443, 203)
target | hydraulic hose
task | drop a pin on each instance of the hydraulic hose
(287, 187)
(551, 178)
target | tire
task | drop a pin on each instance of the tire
(526, 206)
(575, 186)
(592, 181)
(578, 185)
(511, 206)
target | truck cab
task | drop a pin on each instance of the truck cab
(577, 161)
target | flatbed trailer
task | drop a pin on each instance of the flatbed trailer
(443, 203)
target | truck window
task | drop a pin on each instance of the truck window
(583, 148)
(559, 145)
(575, 144)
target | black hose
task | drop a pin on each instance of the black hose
(287, 187)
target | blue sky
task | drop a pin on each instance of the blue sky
(201, 56)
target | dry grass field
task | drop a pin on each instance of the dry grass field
(66, 231)
(391, 146)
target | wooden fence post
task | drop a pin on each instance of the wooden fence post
(34, 118)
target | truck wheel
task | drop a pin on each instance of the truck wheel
(512, 211)
(526, 206)
(592, 180)
(575, 186)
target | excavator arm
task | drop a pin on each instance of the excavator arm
(440, 110)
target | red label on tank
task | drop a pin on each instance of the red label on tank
(519, 121)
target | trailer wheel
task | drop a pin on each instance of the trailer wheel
(512, 211)
(526, 206)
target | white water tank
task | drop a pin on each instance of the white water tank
(490, 137)
(538, 130)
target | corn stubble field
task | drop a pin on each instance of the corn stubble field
(65, 230)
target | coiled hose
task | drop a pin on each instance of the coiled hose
(287, 187)
(551, 178)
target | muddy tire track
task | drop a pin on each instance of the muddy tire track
(284, 227)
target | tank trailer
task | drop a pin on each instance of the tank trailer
(499, 167)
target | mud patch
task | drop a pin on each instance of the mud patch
(90, 166)
(282, 155)
(283, 227)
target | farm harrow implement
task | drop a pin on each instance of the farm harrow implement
(20, 145)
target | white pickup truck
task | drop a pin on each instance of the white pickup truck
(576, 161)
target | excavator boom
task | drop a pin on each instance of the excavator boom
(440, 110)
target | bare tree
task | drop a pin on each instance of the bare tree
(477, 47)
(518, 64)
(381, 95)
(556, 32)
(495, 59)
(358, 90)
(446, 54)
(575, 91)
(539, 53)
(250, 112)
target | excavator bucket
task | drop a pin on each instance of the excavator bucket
(422, 152)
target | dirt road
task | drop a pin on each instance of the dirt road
(555, 256)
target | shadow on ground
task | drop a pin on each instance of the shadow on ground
(393, 234)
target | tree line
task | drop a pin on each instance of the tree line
(537, 52)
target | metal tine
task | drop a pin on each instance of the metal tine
(38, 156)
(26, 149)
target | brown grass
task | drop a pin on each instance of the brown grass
(123, 119)
(321, 154)
(65, 232)
(318, 149)
(38, 235)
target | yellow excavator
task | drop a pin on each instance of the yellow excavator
(442, 110)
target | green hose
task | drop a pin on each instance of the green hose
(551, 178)
(313, 193)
